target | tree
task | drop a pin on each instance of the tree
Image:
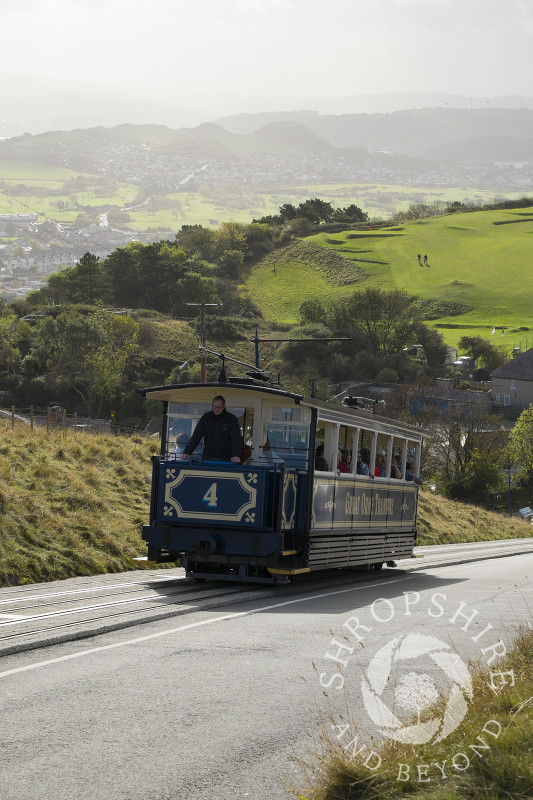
(520, 445)
(194, 288)
(315, 211)
(287, 212)
(479, 348)
(93, 355)
(350, 213)
(198, 242)
(89, 277)
(146, 275)
(230, 236)
(465, 449)
(159, 268)
(383, 322)
(312, 311)
(121, 269)
(433, 343)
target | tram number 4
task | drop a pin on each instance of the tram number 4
(210, 497)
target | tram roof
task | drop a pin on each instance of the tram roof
(339, 413)
(163, 392)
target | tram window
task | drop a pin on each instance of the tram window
(247, 426)
(245, 417)
(188, 409)
(293, 414)
(181, 427)
(288, 443)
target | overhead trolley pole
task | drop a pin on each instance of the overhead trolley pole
(256, 339)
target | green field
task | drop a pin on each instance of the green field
(479, 259)
(208, 206)
(43, 189)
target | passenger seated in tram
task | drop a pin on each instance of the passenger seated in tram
(365, 453)
(361, 467)
(342, 466)
(182, 439)
(395, 468)
(320, 462)
(409, 474)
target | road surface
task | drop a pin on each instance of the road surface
(228, 695)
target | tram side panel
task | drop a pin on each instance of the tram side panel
(361, 522)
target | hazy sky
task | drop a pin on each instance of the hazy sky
(275, 47)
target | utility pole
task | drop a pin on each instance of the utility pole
(202, 307)
(509, 486)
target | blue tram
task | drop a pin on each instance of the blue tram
(275, 515)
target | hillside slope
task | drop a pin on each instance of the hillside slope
(75, 505)
(479, 260)
(70, 505)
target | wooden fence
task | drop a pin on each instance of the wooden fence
(55, 418)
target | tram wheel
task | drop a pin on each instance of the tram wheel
(378, 566)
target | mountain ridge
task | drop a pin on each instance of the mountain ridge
(33, 104)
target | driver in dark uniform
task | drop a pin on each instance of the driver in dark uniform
(221, 434)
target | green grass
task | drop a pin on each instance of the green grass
(243, 204)
(34, 172)
(43, 177)
(306, 267)
(479, 259)
(70, 505)
(505, 770)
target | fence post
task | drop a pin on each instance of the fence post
(31, 417)
(64, 422)
(48, 420)
(12, 416)
(75, 423)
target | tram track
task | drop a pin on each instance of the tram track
(20, 630)
(90, 607)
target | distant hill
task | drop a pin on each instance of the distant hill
(443, 134)
(282, 137)
(433, 136)
(432, 133)
(206, 141)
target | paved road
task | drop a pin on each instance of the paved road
(226, 701)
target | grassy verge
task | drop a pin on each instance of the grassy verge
(70, 505)
(488, 756)
(442, 521)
